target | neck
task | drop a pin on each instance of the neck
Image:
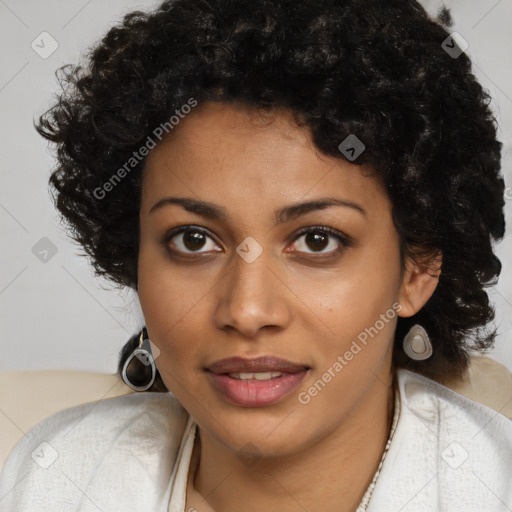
(330, 475)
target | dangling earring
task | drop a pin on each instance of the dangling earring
(139, 370)
(417, 344)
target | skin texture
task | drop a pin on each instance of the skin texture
(297, 301)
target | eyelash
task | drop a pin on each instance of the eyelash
(343, 240)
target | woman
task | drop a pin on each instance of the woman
(304, 195)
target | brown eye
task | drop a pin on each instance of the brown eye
(191, 240)
(318, 239)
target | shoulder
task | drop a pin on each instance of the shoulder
(449, 452)
(434, 402)
(68, 452)
(456, 424)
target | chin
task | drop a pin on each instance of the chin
(265, 432)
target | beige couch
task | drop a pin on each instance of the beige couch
(27, 397)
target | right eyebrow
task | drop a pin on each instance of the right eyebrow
(202, 208)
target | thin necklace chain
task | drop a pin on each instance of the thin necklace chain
(368, 494)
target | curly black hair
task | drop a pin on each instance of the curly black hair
(377, 69)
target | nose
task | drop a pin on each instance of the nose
(252, 297)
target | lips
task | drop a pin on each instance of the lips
(255, 382)
(260, 364)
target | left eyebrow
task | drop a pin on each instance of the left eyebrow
(285, 214)
(296, 210)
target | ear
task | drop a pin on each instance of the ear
(419, 282)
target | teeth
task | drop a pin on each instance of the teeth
(257, 376)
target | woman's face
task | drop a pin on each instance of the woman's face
(243, 281)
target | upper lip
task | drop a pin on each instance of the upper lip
(256, 365)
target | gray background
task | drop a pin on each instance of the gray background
(54, 312)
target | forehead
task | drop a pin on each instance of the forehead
(226, 150)
(212, 129)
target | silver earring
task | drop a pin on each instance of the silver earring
(139, 370)
(417, 344)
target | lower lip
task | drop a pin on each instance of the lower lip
(256, 393)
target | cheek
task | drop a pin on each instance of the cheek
(168, 293)
(171, 322)
(365, 284)
(358, 305)
(359, 324)
(169, 301)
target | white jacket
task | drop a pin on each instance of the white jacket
(132, 454)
